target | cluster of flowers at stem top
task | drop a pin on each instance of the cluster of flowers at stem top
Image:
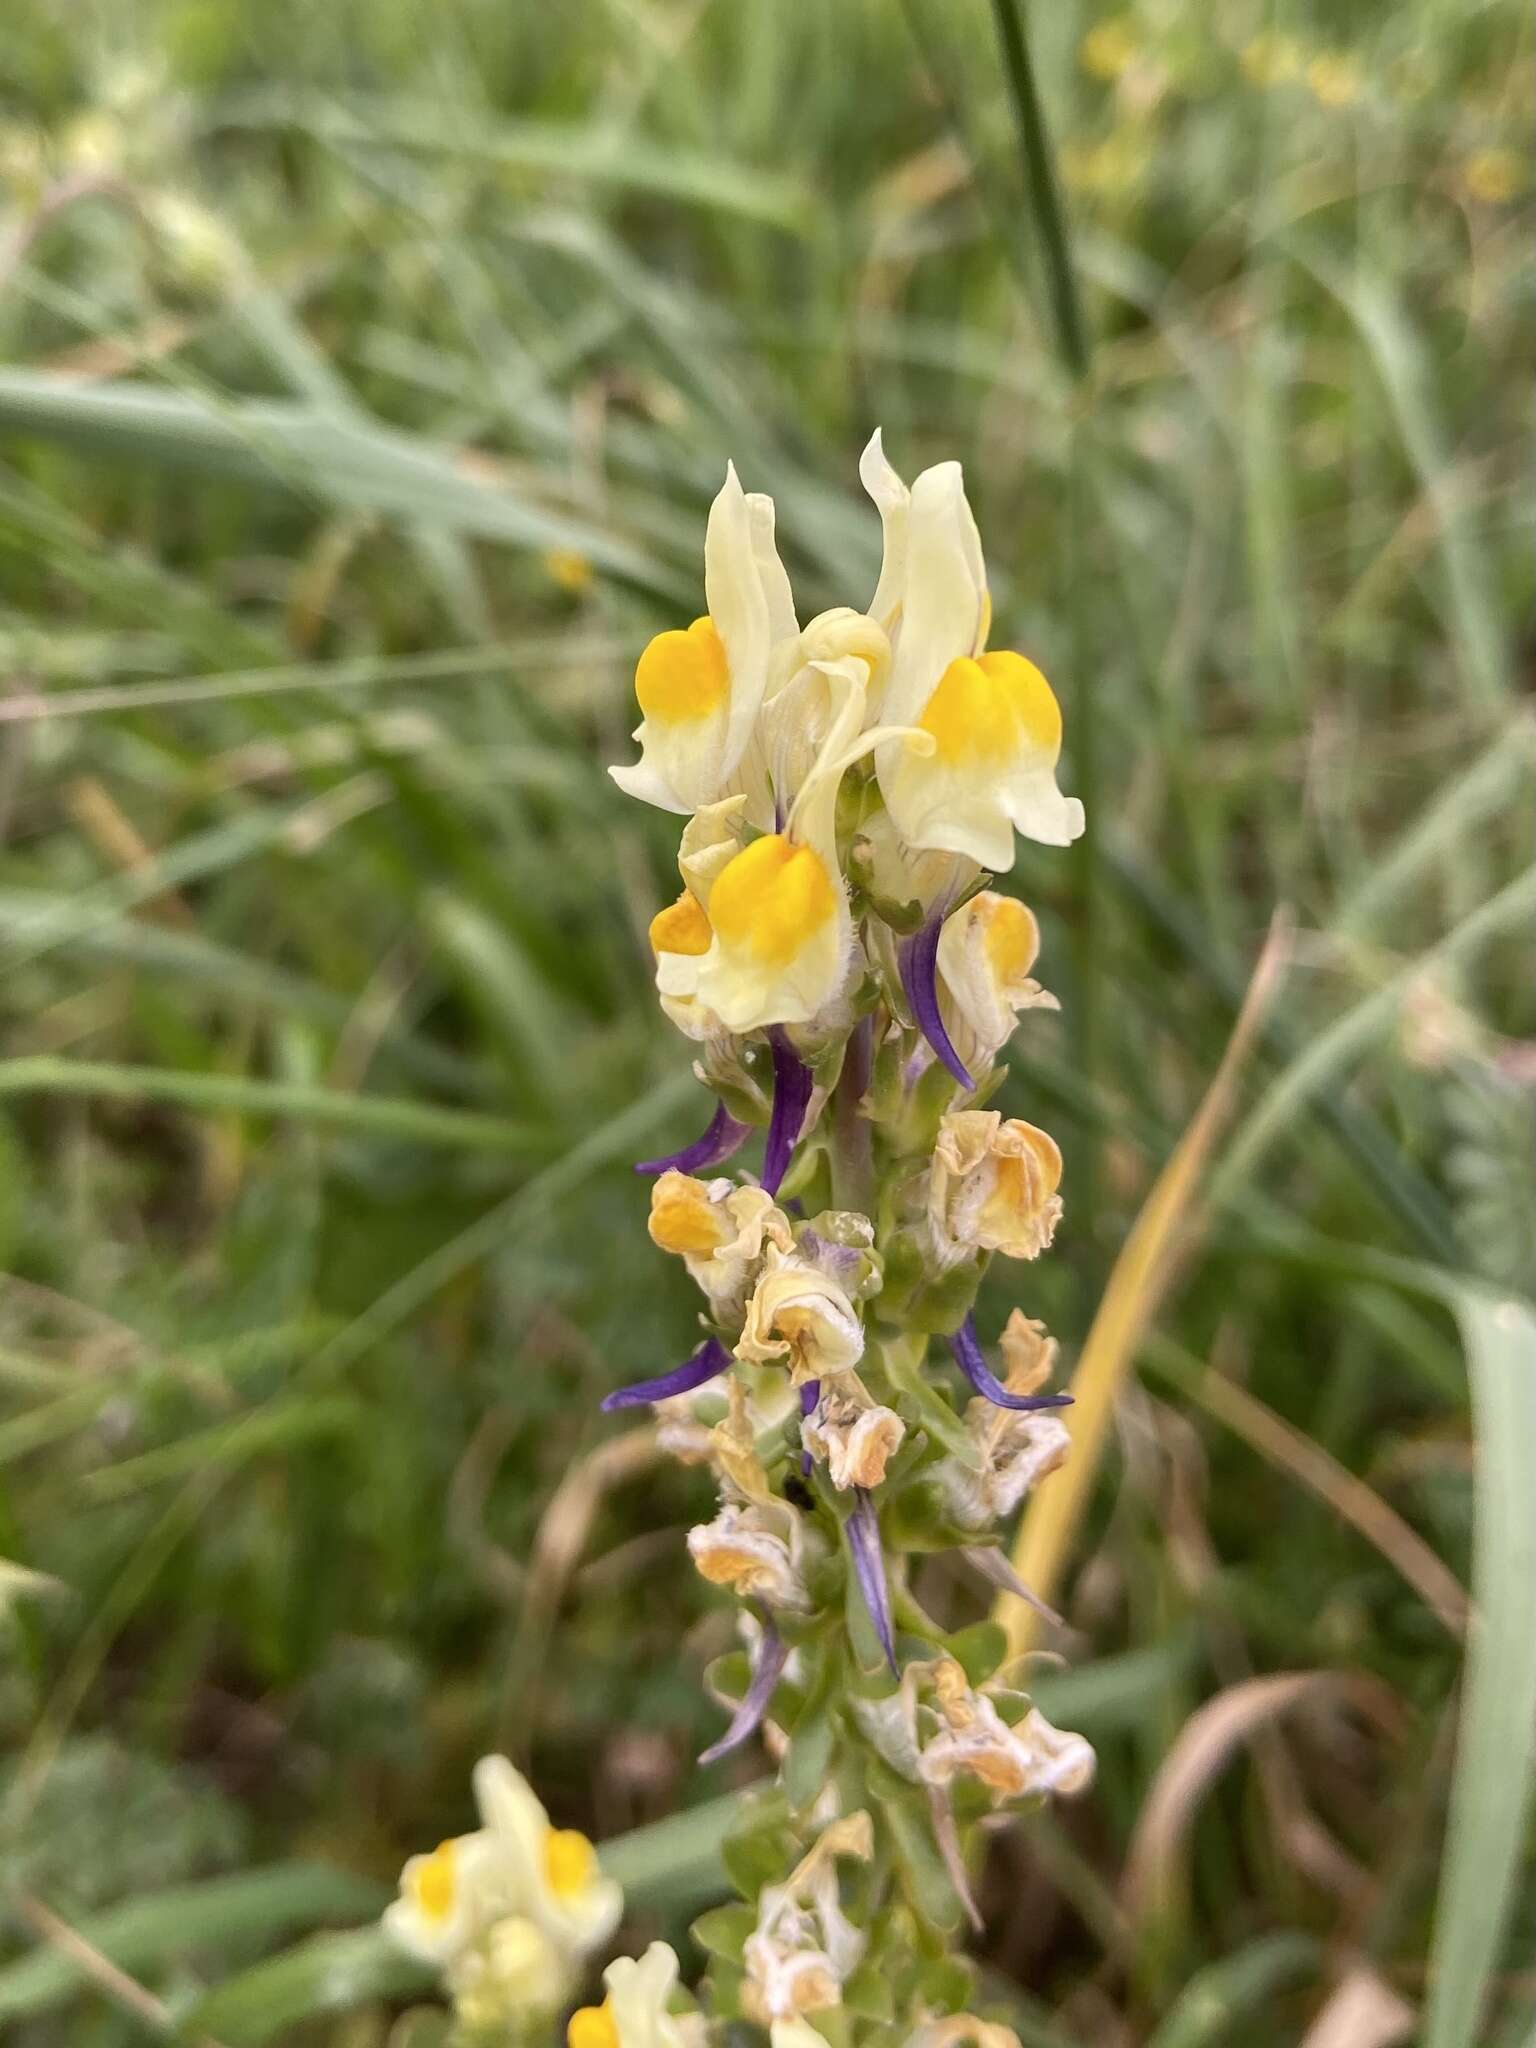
(848, 979)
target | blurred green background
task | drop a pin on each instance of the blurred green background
(368, 371)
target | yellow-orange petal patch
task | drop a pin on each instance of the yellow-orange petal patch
(570, 1862)
(987, 709)
(592, 2027)
(682, 927)
(434, 1882)
(682, 1218)
(771, 898)
(683, 676)
(1011, 938)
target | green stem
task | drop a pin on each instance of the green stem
(852, 1149)
(1038, 163)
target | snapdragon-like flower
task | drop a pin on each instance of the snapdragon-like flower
(992, 1187)
(755, 1550)
(984, 955)
(637, 2010)
(1013, 1763)
(443, 1904)
(559, 1882)
(804, 1947)
(993, 719)
(853, 1436)
(800, 1316)
(700, 689)
(721, 1233)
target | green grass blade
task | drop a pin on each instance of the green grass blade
(251, 1904)
(1496, 1748)
(1228, 1990)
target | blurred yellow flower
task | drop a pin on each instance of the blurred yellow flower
(1335, 79)
(569, 569)
(1110, 47)
(1271, 59)
(1493, 176)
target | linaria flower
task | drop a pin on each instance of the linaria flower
(854, 1437)
(720, 1232)
(992, 1187)
(782, 933)
(635, 2013)
(804, 1948)
(985, 952)
(1013, 1763)
(512, 1972)
(753, 1550)
(442, 1906)
(992, 718)
(700, 689)
(559, 1883)
(800, 1315)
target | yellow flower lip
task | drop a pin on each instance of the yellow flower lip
(682, 927)
(592, 2026)
(434, 1882)
(770, 898)
(683, 676)
(989, 708)
(1011, 938)
(570, 1862)
(682, 1219)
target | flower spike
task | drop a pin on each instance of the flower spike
(791, 1096)
(725, 1136)
(707, 1363)
(772, 1656)
(918, 959)
(869, 1566)
(967, 1349)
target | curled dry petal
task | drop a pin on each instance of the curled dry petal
(992, 1187)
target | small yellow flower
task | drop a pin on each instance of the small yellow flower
(700, 687)
(783, 935)
(986, 951)
(991, 723)
(992, 1187)
(720, 1231)
(440, 1909)
(1110, 48)
(635, 2012)
(1493, 177)
(800, 1316)
(1335, 79)
(1013, 1763)
(854, 1438)
(513, 1972)
(558, 1882)
(1271, 59)
(804, 1948)
(752, 1550)
(568, 569)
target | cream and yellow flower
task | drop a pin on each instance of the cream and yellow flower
(986, 949)
(975, 1741)
(1015, 1448)
(782, 936)
(800, 1316)
(720, 1231)
(635, 2013)
(804, 1948)
(700, 688)
(991, 721)
(552, 1873)
(853, 1436)
(511, 1974)
(992, 1187)
(443, 1905)
(754, 1551)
